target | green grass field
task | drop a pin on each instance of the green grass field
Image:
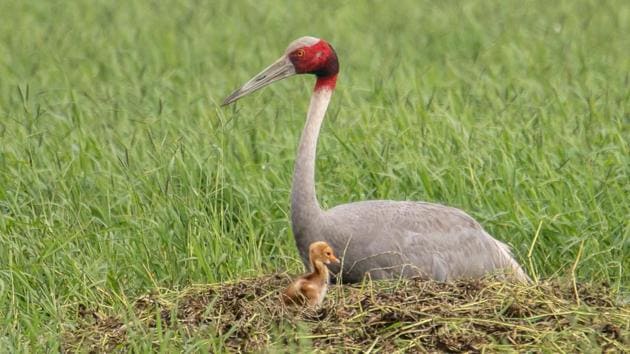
(120, 174)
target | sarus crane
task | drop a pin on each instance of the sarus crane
(380, 238)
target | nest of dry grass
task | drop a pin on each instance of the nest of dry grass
(408, 315)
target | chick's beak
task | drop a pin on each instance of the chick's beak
(279, 70)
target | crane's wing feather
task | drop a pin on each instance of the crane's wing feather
(388, 239)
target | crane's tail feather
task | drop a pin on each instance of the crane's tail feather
(512, 268)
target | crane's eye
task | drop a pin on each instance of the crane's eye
(299, 53)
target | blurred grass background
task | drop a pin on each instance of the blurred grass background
(119, 172)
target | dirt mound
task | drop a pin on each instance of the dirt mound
(409, 315)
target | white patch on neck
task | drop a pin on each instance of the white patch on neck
(319, 103)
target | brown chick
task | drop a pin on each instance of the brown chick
(310, 289)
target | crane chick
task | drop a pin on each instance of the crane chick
(310, 289)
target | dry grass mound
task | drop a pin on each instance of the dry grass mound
(409, 315)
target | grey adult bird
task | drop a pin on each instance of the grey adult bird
(382, 238)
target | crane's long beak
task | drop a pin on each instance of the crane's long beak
(279, 70)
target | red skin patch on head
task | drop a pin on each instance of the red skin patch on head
(319, 59)
(326, 82)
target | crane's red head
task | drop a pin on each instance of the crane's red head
(306, 55)
(319, 59)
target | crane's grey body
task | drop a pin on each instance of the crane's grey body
(390, 239)
(381, 238)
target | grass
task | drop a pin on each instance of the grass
(121, 175)
(248, 316)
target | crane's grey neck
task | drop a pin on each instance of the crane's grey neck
(305, 210)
